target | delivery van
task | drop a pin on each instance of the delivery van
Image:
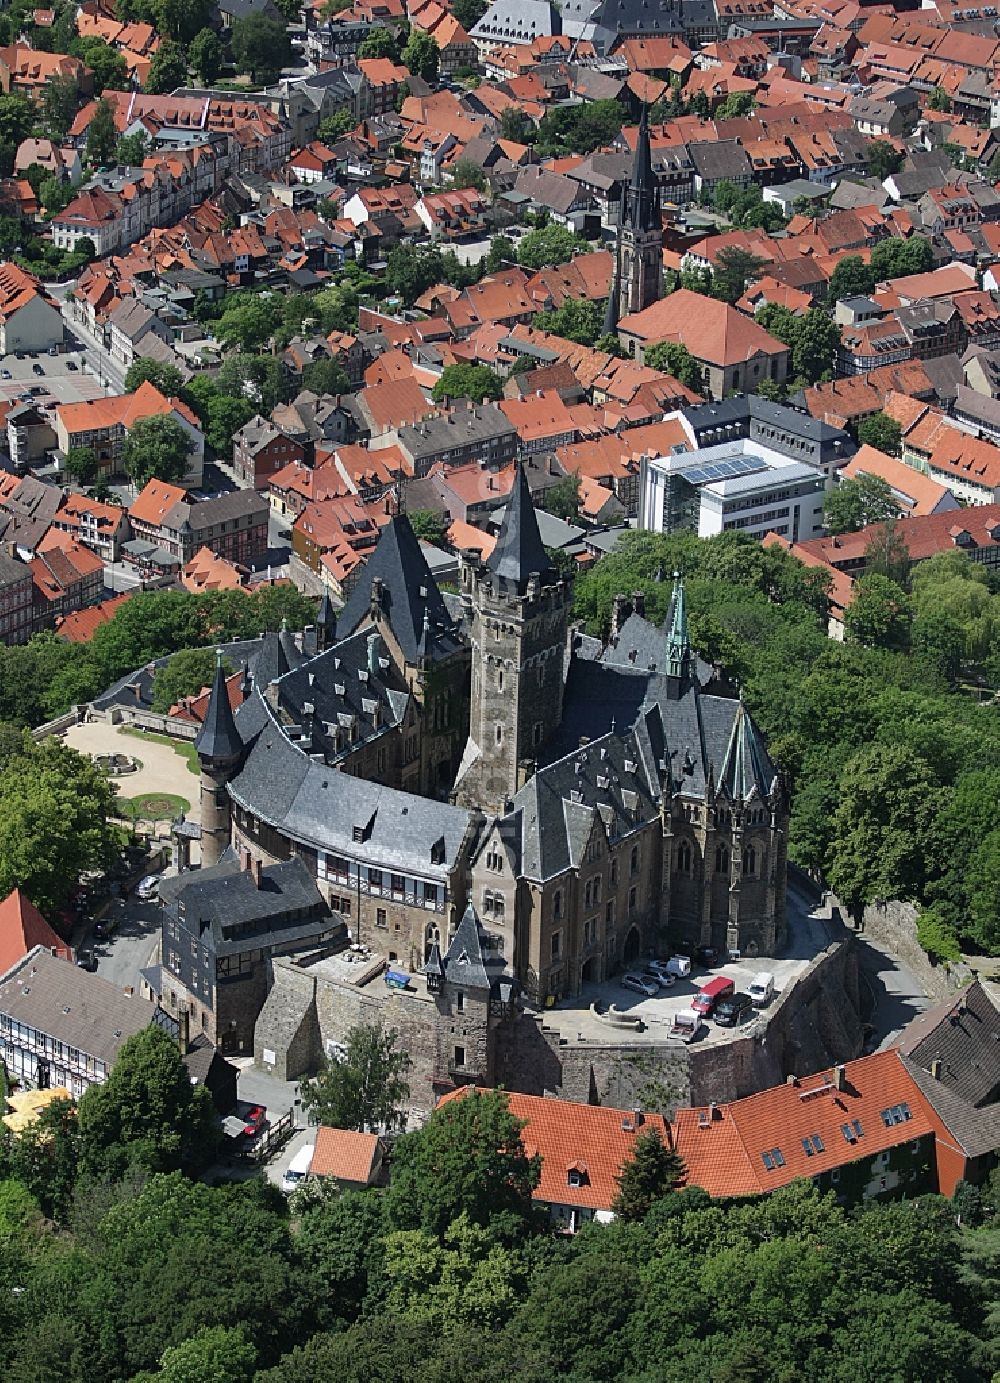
(761, 989)
(710, 994)
(298, 1168)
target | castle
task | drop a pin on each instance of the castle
(423, 752)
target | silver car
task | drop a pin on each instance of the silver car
(641, 985)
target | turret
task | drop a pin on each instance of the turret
(219, 748)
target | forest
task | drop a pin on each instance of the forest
(117, 1263)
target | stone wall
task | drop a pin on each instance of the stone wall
(893, 925)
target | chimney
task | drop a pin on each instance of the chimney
(639, 602)
(714, 1112)
(525, 771)
(183, 1030)
(257, 871)
(636, 1116)
(840, 1077)
(936, 1068)
(619, 614)
(791, 1080)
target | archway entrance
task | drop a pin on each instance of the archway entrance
(591, 970)
(633, 944)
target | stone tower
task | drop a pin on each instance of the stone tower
(639, 270)
(219, 749)
(519, 610)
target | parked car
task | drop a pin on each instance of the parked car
(298, 1168)
(660, 978)
(707, 955)
(86, 959)
(762, 989)
(147, 888)
(733, 1009)
(686, 1025)
(678, 966)
(255, 1121)
(72, 365)
(106, 927)
(6, 374)
(710, 994)
(38, 369)
(641, 985)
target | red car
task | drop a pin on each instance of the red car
(255, 1121)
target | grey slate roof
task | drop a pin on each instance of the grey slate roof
(470, 962)
(519, 551)
(723, 158)
(218, 737)
(321, 807)
(85, 1011)
(976, 1130)
(746, 770)
(964, 1034)
(411, 594)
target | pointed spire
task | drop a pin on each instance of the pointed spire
(326, 617)
(519, 548)
(218, 737)
(678, 638)
(642, 199)
(746, 767)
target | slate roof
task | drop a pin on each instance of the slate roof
(230, 913)
(519, 551)
(321, 807)
(411, 594)
(218, 737)
(470, 962)
(963, 1034)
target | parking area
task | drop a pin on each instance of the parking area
(57, 379)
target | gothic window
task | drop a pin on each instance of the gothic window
(557, 903)
(749, 860)
(684, 857)
(721, 860)
(586, 895)
(494, 861)
(597, 889)
(634, 863)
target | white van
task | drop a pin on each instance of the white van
(761, 989)
(298, 1168)
(679, 966)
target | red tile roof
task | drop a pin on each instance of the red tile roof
(727, 1151)
(923, 537)
(344, 1154)
(22, 927)
(594, 1140)
(710, 329)
(79, 626)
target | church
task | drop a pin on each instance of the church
(423, 751)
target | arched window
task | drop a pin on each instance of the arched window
(634, 865)
(721, 860)
(597, 890)
(749, 860)
(684, 857)
(586, 895)
(557, 901)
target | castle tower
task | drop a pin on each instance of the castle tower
(219, 749)
(639, 273)
(519, 617)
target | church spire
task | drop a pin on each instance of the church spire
(678, 638)
(642, 200)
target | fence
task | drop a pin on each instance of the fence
(56, 727)
(274, 1137)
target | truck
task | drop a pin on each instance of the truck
(762, 989)
(686, 1025)
(710, 994)
(298, 1168)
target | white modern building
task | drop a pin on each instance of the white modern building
(739, 485)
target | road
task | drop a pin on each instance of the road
(133, 946)
(896, 995)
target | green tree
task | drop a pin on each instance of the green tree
(467, 173)
(580, 129)
(335, 126)
(466, 1280)
(736, 106)
(502, 251)
(379, 42)
(102, 137)
(249, 323)
(939, 100)
(206, 55)
(984, 893)
(578, 320)
(215, 1354)
(429, 526)
(883, 158)
(148, 1113)
(882, 826)
(260, 46)
(854, 503)
(81, 465)
(59, 105)
(563, 498)
(167, 378)
(187, 673)
(422, 55)
(462, 381)
(258, 379)
(550, 245)
(365, 1089)
(675, 359)
(156, 448)
(469, 13)
(651, 1172)
(882, 432)
(813, 338)
(468, 1159)
(326, 377)
(886, 554)
(852, 278)
(895, 257)
(107, 64)
(131, 150)
(515, 125)
(734, 268)
(168, 69)
(17, 116)
(45, 1158)
(411, 270)
(937, 937)
(879, 613)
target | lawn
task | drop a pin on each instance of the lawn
(155, 806)
(184, 748)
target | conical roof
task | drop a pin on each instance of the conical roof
(746, 768)
(519, 548)
(218, 737)
(411, 591)
(642, 200)
(326, 615)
